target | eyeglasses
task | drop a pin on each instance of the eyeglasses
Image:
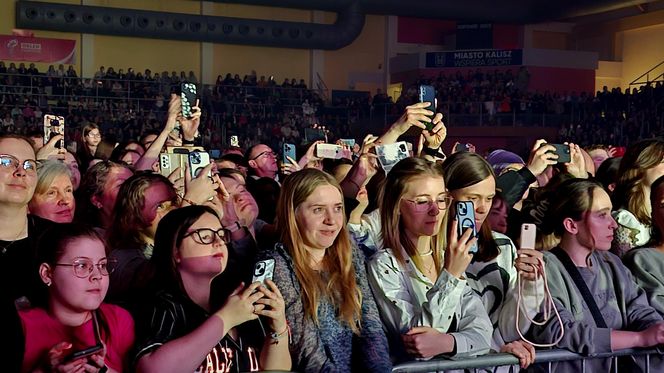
(95, 135)
(10, 162)
(267, 152)
(206, 236)
(83, 267)
(422, 204)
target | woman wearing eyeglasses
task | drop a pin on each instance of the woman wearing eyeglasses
(417, 275)
(493, 271)
(69, 316)
(87, 147)
(182, 331)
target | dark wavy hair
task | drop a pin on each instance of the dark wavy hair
(657, 237)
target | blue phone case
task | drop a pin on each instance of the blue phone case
(428, 94)
(288, 151)
(465, 215)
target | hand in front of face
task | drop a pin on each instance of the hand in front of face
(457, 256)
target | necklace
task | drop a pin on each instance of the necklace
(4, 249)
(425, 254)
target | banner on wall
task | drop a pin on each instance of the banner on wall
(20, 48)
(475, 58)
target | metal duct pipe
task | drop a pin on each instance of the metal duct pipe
(175, 26)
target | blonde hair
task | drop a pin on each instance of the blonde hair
(389, 199)
(629, 193)
(47, 172)
(340, 287)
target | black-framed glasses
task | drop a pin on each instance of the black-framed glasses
(423, 204)
(10, 162)
(206, 236)
(83, 267)
(267, 152)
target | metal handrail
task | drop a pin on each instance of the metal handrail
(646, 74)
(503, 359)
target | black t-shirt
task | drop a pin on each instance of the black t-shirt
(172, 317)
(18, 278)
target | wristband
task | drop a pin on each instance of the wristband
(437, 153)
(192, 203)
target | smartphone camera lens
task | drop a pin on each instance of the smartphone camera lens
(195, 158)
(402, 148)
(55, 122)
(260, 269)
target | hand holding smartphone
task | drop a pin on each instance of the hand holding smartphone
(427, 93)
(465, 216)
(288, 151)
(188, 99)
(54, 125)
(85, 353)
(563, 151)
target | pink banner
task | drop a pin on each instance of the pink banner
(19, 48)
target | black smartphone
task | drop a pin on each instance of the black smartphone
(563, 152)
(84, 353)
(187, 99)
(462, 148)
(465, 216)
(428, 94)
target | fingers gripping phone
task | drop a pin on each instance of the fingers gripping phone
(288, 151)
(428, 94)
(391, 154)
(188, 99)
(465, 216)
(54, 125)
(462, 148)
(329, 151)
(84, 353)
(563, 152)
(263, 270)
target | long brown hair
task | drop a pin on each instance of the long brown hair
(389, 198)
(462, 170)
(629, 193)
(657, 236)
(340, 286)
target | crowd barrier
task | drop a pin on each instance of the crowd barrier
(473, 364)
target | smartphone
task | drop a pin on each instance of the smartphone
(197, 162)
(235, 141)
(329, 151)
(215, 153)
(465, 216)
(84, 353)
(313, 134)
(428, 94)
(348, 142)
(564, 154)
(288, 151)
(391, 154)
(263, 270)
(184, 149)
(187, 99)
(168, 162)
(528, 235)
(462, 148)
(54, 125)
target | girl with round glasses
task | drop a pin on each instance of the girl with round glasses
(417, 273)
(494, 268)
(182, 331)
(69, 316)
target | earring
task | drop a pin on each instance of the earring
(48, 284)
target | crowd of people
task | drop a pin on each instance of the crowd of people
(322, 262)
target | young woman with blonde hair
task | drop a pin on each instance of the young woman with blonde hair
(416, 276)
(332, 315)
(641, 165)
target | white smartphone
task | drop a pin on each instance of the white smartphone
(263, 270)
(528, 236)
(235, 141)
(391, 154)
(329, 151)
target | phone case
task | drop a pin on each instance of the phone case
(329, 151)
(168, 162)
(528, 236)
(465, 215)
(84, 353)
(197, 162)
(428, 94)
(313, 134)
(288, 151)
(263, 270)
(54, 125)
(564, 153)
(461, 148)
(188, 98)
(348, 142)
(391, 154)
(235, 141)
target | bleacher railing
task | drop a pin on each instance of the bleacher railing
(546, 357)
